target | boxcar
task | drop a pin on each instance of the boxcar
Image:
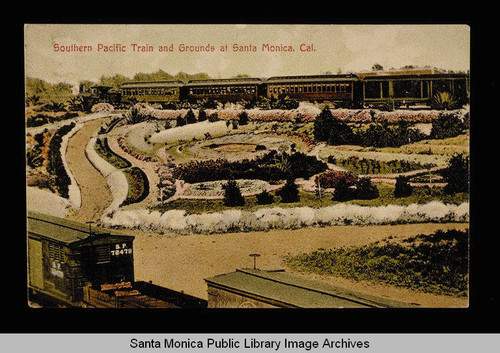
(66, 256)
(335, 88)
(224, 90)
(153, 92)
(411, 87)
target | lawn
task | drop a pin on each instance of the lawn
(435, 263)
(308, 199)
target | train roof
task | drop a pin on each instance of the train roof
(312, 78)
(68, 232)
(411, 73)
(296, 291)
(226, 81)
(152, 84)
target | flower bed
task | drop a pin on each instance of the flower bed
(215, 189)
(332, 178)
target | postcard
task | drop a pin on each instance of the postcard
(247, 166)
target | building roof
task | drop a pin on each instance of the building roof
(291, 290)
(68, 232)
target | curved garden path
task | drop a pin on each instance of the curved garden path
(95, 193)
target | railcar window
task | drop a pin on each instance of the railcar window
(441, 86)
(372, 89)
(407, 88)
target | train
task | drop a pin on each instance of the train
(375, 89)
(72, 264)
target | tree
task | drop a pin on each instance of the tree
(265, 198)
(365, 190)
(342, 191)
(202, 115)
(323, 124)
(180, 121)
(377, 67)
(243, 118)
(403, 187)
(232, 194)
(190, 117)
(457, 174)
(289, 192)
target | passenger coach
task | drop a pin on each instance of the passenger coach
(224, 90)
(417, 87)
(153, 92)
(335, 88)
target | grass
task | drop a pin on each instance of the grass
(307, 199)
(435, 263)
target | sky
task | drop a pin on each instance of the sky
(312, 49)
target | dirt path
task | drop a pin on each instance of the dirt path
(94, 189)
(183, 262)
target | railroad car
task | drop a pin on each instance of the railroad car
(224, 90)
(99, 93)
(340, 89)
(65, 256)
(388, 89)
(414, 87)
(153, 92)
(74, 264)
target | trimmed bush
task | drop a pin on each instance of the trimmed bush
(289, 192)
(265, 198)
(403, 187)
(232, 194)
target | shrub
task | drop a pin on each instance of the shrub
(271, 166)
(190, 117)
(365, 190)
(138, 185)
(403, 187)
(343, 192)
(213, 117)
(202, 115)
(55, 165)
(180, 121)
(289, 192)
(232, 194)
(443, 101)
(243, 118)
(447, 125)
(457, 174)
(331, 129)
(331, 179)
(265, 198)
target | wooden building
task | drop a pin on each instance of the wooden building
(253, 288)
